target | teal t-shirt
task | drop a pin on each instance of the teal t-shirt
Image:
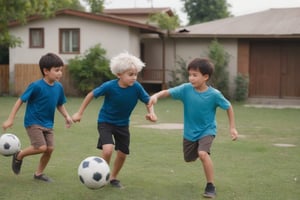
(42, 100)
(119, 102)
(199, 110)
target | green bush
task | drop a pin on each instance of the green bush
(179, 75)
(220, 58)
(90, 70)
(241, 90)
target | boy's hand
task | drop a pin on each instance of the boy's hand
(7, 124)
(76, 117)
(151, 117)
(69, 121)
(234, 134)
(152, 101)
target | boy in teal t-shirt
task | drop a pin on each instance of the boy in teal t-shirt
(200, 102)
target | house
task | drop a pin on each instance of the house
(71, 33)
(263, 45)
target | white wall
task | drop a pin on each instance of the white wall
(188, 49)
(113, 38)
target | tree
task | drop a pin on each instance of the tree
(96, 6)
(199, 11)
(220, 58)
(180, 74)
(241, 87)
(165, 22)
(16, 10)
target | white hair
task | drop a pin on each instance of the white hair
(125, 61)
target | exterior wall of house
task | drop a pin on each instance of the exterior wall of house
(190, 48)
(133, 45)
(187, 49)
(113, 38)
(153, 53)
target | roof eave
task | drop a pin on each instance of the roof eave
(274, 36)
(97, 17)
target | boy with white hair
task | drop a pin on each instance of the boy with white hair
(120, 98)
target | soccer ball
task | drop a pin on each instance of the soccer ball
(9, 144)
(94, 172)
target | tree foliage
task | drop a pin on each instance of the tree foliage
(19, 10)
(199, 11)
(220, 58)
(90, 70)
(241, 87)
(165, 21)
(96, 6)
(180, 74)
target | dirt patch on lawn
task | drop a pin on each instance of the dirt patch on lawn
(169, 126)
(284, 145)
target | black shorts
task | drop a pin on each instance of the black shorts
(117, 135)
(191, 149)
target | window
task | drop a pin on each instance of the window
(36, 38)
(69, 41)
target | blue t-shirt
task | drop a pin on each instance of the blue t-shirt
(199, 110)
(119, 102)
(42, 100)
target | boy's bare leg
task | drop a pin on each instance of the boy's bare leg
(119, 161)
(18, 157)
(107, 151)
(210, 190)
(30, 151)
(44, 160)
(207, 166)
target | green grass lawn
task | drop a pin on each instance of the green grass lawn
(251, 168)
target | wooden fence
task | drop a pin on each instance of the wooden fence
(151, 75)
(27, 73)
(4, 79)
(24, 74)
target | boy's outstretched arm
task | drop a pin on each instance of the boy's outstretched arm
(233, 131)
(151, 116)
(10, 120)
(76, 117)
(156, 96)
(63, 111)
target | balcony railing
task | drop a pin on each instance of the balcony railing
(151, 76)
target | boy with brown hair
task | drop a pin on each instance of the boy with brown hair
(200, 102)
(43, 97)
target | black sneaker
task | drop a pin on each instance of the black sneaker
(116, 183)
(42, 177)
(210, 191)
(16, 164)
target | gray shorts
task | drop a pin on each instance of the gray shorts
(191, 149)
(40, 136)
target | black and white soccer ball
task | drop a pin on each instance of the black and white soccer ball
(9, 144)
(94, 172)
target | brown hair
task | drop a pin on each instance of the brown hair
(50, 60)
(203, 65)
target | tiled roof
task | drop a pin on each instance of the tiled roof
(134, 11)
(279, 22)
(97, 17)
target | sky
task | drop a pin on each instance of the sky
(238, 7)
